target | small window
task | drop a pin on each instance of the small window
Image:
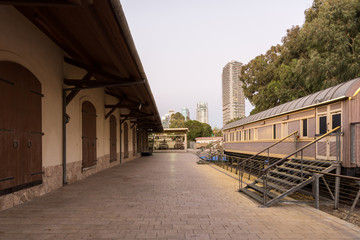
(245, 135)
(240, 136)
(322, 125)
(274, 131)
(304, 128)
(250, 133)
(336, 120)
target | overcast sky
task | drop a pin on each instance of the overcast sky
(184, 44)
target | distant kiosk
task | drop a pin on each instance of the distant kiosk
(171, 140)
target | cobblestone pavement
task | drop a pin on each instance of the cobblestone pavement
(164, 196)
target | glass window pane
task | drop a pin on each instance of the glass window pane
(304, 133)
(322, 125)
(336, 120)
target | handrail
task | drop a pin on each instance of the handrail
(300, 149)
(281, 140)
(334, 175)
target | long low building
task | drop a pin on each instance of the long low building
(74, 98)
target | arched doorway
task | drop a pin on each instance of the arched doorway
(112, 138)
(126, 140)
(20, 127)
(88, 134)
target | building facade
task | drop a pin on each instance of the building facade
(232, 92)
(186, 113)
(202, 112)
(68, 109)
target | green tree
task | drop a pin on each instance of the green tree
(324, 52)
(207, 131)
(217, 132)
(177, 120)
(197, 129)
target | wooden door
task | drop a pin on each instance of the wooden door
(326, 147)
(112, 138)
(126, 140)
(20, 126)
(88, 135)
(134, 141)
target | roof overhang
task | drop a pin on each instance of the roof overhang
(95, 36)
(285, 113)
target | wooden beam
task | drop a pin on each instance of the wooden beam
(79, 82)
(123, 106)
(126, 98)
(47, 2)
(123, 120)
(113, 109)
(119, 84)
(73, 93)
(98, 71)
(137, 116)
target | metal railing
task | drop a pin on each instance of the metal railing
(256, 163)
(301, 166)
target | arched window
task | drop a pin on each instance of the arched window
(126, 140)
(134, 141)
(88, 135)
(112, 138)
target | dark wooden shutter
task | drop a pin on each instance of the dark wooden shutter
(112, 138)
(126, 140)
(134, 141)
(20, 126)
(88, 135)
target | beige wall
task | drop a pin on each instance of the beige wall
(23, 43)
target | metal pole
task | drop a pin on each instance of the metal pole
(354, 204)
(317, 197)
(64, 137)
(337, 187)
(265, 187)
(302, 158)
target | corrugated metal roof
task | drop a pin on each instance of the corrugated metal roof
(329, 94)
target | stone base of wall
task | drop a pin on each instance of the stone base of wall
(130, 157)
(52, 179)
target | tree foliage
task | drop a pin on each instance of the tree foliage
(217, 132)
(324, 52)
(177, 120)
(197, 129)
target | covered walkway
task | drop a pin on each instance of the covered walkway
(164, 196)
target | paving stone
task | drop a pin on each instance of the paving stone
(164, 196)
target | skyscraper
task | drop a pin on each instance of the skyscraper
(232, 92)
(202, 112)
(186, 113)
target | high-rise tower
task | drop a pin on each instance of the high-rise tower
(202, 112)
(232, 93)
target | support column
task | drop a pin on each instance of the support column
(316, 190)
(337, 188)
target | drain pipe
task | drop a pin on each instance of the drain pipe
(65, 120)
(120, 138)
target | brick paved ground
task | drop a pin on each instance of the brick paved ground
(165, 196)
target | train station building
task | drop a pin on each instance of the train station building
(74, 97)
